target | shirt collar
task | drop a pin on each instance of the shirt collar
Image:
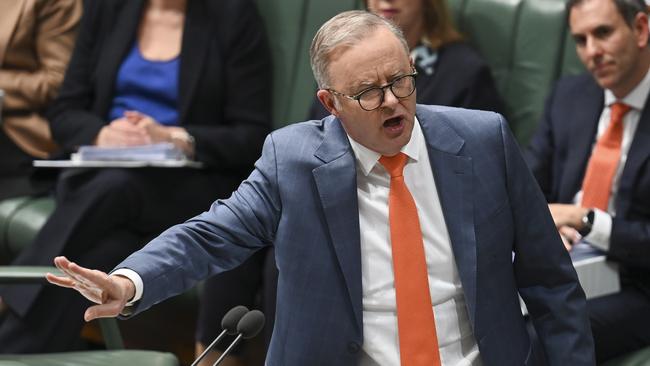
(367, 158)
(636, 98)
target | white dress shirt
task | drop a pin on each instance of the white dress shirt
(602, 227)
(381, 344)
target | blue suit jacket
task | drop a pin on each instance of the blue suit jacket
(302, 198)
(558, 156)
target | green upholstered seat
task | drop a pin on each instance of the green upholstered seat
(291, 25)
(20, 220)
(92, 358)
(115, 354)
(528, 46)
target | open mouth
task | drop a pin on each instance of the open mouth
(394, 126)
(393, 122)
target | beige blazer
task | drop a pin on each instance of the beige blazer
(36, 40)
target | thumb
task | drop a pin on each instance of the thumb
(109, 310)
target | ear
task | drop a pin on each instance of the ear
(641, 29)
(327, 100)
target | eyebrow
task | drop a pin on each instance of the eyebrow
(365, 84)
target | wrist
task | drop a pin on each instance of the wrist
(182, 139)
(128, 287)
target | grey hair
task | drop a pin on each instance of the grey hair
(344, 30)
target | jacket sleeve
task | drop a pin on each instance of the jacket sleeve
(546, 279)
(215, 241)
(55, 30)
(629, 240)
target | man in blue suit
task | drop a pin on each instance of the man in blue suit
(322, 195)
(594, 167)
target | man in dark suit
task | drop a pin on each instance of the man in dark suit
(590, 156)
(394, 228)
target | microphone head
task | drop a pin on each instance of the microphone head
(251, 324)
(230, 321)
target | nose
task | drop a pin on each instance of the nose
(390, 100)
(593, 47)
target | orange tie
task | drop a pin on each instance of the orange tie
(597, 184)
(418, 343)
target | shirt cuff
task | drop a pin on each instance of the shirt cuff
(601, 230)
(137, 281)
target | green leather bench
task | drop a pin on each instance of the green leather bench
(528, 46)
(115, 354)
(20, 220)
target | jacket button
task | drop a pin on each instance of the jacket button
(353, 347)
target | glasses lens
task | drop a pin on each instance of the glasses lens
(371, 98)
(403, 86)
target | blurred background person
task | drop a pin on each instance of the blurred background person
(192, 73)
(36, 40)
(450, 72)
(590, 157)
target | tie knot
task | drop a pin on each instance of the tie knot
(618, 110)
(394, 164)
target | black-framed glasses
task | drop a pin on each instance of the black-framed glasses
(372, 98)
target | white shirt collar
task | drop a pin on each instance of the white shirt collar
(636, 98)
(367, 159)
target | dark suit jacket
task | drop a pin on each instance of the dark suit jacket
(302, 198)
(558, 156)
(224, 81)
(461, 79)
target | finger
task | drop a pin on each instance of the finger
(90, 275)
(108, 310)
(572, 234)
(124, 124)
(59, 281)
(61, 261)
(73, 276)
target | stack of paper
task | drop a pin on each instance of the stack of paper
(154, 152)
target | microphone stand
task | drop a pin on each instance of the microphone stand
(208, 348)
(230, 347)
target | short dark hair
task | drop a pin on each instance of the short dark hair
(627, 8)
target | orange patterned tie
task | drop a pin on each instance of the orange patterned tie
(418, 343)
(597, 184)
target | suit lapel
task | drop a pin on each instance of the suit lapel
(453, 177)
(583, 124)
(196, 33)
(117, 45)
(337, 187)
(11, 12)
(636, 156)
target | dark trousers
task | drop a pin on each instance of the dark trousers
(620, 323)
(101, 216)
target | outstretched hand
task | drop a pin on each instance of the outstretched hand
(110, 292)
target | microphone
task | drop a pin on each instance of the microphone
(229, 324)
(248, 327)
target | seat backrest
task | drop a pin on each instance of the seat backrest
(528, 46)
(291, 25)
